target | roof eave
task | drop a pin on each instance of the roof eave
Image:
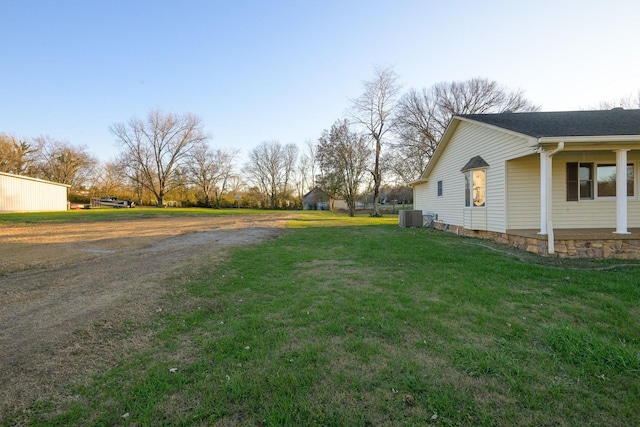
(29, 178)
(600, 139)
(418, 181)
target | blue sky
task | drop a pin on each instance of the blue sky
(284, 70)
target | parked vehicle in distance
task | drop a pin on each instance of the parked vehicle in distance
(116, 203)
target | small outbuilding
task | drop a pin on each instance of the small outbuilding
(25, 194)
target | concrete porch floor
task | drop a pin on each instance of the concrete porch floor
(580, 234)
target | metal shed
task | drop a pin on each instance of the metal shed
(25, 194)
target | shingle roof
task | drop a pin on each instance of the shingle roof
(565, 123)
(475, 163)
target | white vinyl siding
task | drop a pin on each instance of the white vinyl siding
(475, 219)
(24, 194)
(469, 140)
(523, 193)
(420, 196)
(598, 213)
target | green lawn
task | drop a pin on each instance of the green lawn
(357, 322)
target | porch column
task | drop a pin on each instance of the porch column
(621, 191)
(546, 178)
(546, 195)
(544, 162)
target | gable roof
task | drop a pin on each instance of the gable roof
(565, 123)
(318, 190)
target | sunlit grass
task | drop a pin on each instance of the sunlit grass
(307, 219)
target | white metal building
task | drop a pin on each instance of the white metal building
(25, 194)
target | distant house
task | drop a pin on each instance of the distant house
(549, 182)
(24, 194)
(340, 204)
(316, 199)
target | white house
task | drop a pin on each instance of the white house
(548, 182)
(24, 194)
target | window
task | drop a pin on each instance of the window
(475, 188)
(588, 181)
(606, 180)
(439, 188)
(475, 173)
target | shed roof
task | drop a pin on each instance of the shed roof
(565, 123)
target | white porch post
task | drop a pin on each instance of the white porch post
(546, 178)
(544, 161)
(621, 191)
(546, 195)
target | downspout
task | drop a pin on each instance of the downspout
(559, 148)
(549, 178)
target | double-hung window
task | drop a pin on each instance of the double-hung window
(590, 181)
(586, 181)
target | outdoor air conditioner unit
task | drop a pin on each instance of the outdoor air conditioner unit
(410, 219)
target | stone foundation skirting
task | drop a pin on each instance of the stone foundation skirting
(620, 248)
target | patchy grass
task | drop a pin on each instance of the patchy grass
(354, 321)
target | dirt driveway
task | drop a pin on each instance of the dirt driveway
(67, 290)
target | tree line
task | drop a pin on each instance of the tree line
(378, 146)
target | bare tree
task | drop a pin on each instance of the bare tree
(202, 172)
(237, 187)
(305, 172)
(301, 179)
(311, 160)
(373, 110)
(270, 169)
(110, 181)
(290, 163)
(132, 175)
(628, 102)
(477, 96)
(210, 171)
(59, 161)
(154, 149)
(423, 115)
(16, 157)
(225, 158)
(343, 156)
(418, 129)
